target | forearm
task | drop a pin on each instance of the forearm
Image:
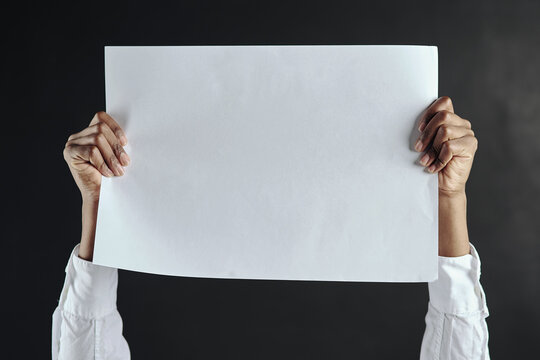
(453, 234)
(88, 233)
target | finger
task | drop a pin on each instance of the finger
(442, 103)
(464, 146)
(113, 140)
(442, 117)
(102, 116)
(105, 148)
(444, 133)
(90, 154)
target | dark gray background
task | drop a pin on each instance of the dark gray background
(53, 82)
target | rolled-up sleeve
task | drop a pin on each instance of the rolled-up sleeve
(455, 322)
(86, 323)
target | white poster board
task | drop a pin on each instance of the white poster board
(271, 162)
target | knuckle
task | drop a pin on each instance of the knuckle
(444, 115)
(94, 151)
(444, 130)
(468, 124)
(99, 138)
(68, 148)
(446, 100)
(100, 126)
(445, 147)
(475, 143)
(439, 119)
(451, 146)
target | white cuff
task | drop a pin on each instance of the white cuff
(458, 291)
(89, 289)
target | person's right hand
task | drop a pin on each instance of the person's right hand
(97, 150)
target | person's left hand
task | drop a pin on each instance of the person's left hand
(449, 145)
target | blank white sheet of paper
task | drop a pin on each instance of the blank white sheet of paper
(271, 162)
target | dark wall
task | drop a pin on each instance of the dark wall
(53, 82)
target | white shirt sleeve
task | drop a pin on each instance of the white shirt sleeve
(86, 323)
(455, 322)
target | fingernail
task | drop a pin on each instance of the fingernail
(418, 145)
(421, 126)
(424, 159)
(124, 158)
(431, 168)
(108, 172)
(119, 169)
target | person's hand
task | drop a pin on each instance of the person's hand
(448, 145)
(95, 151)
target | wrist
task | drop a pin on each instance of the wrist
(452, 195)
(90, 199)
(453, 233)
